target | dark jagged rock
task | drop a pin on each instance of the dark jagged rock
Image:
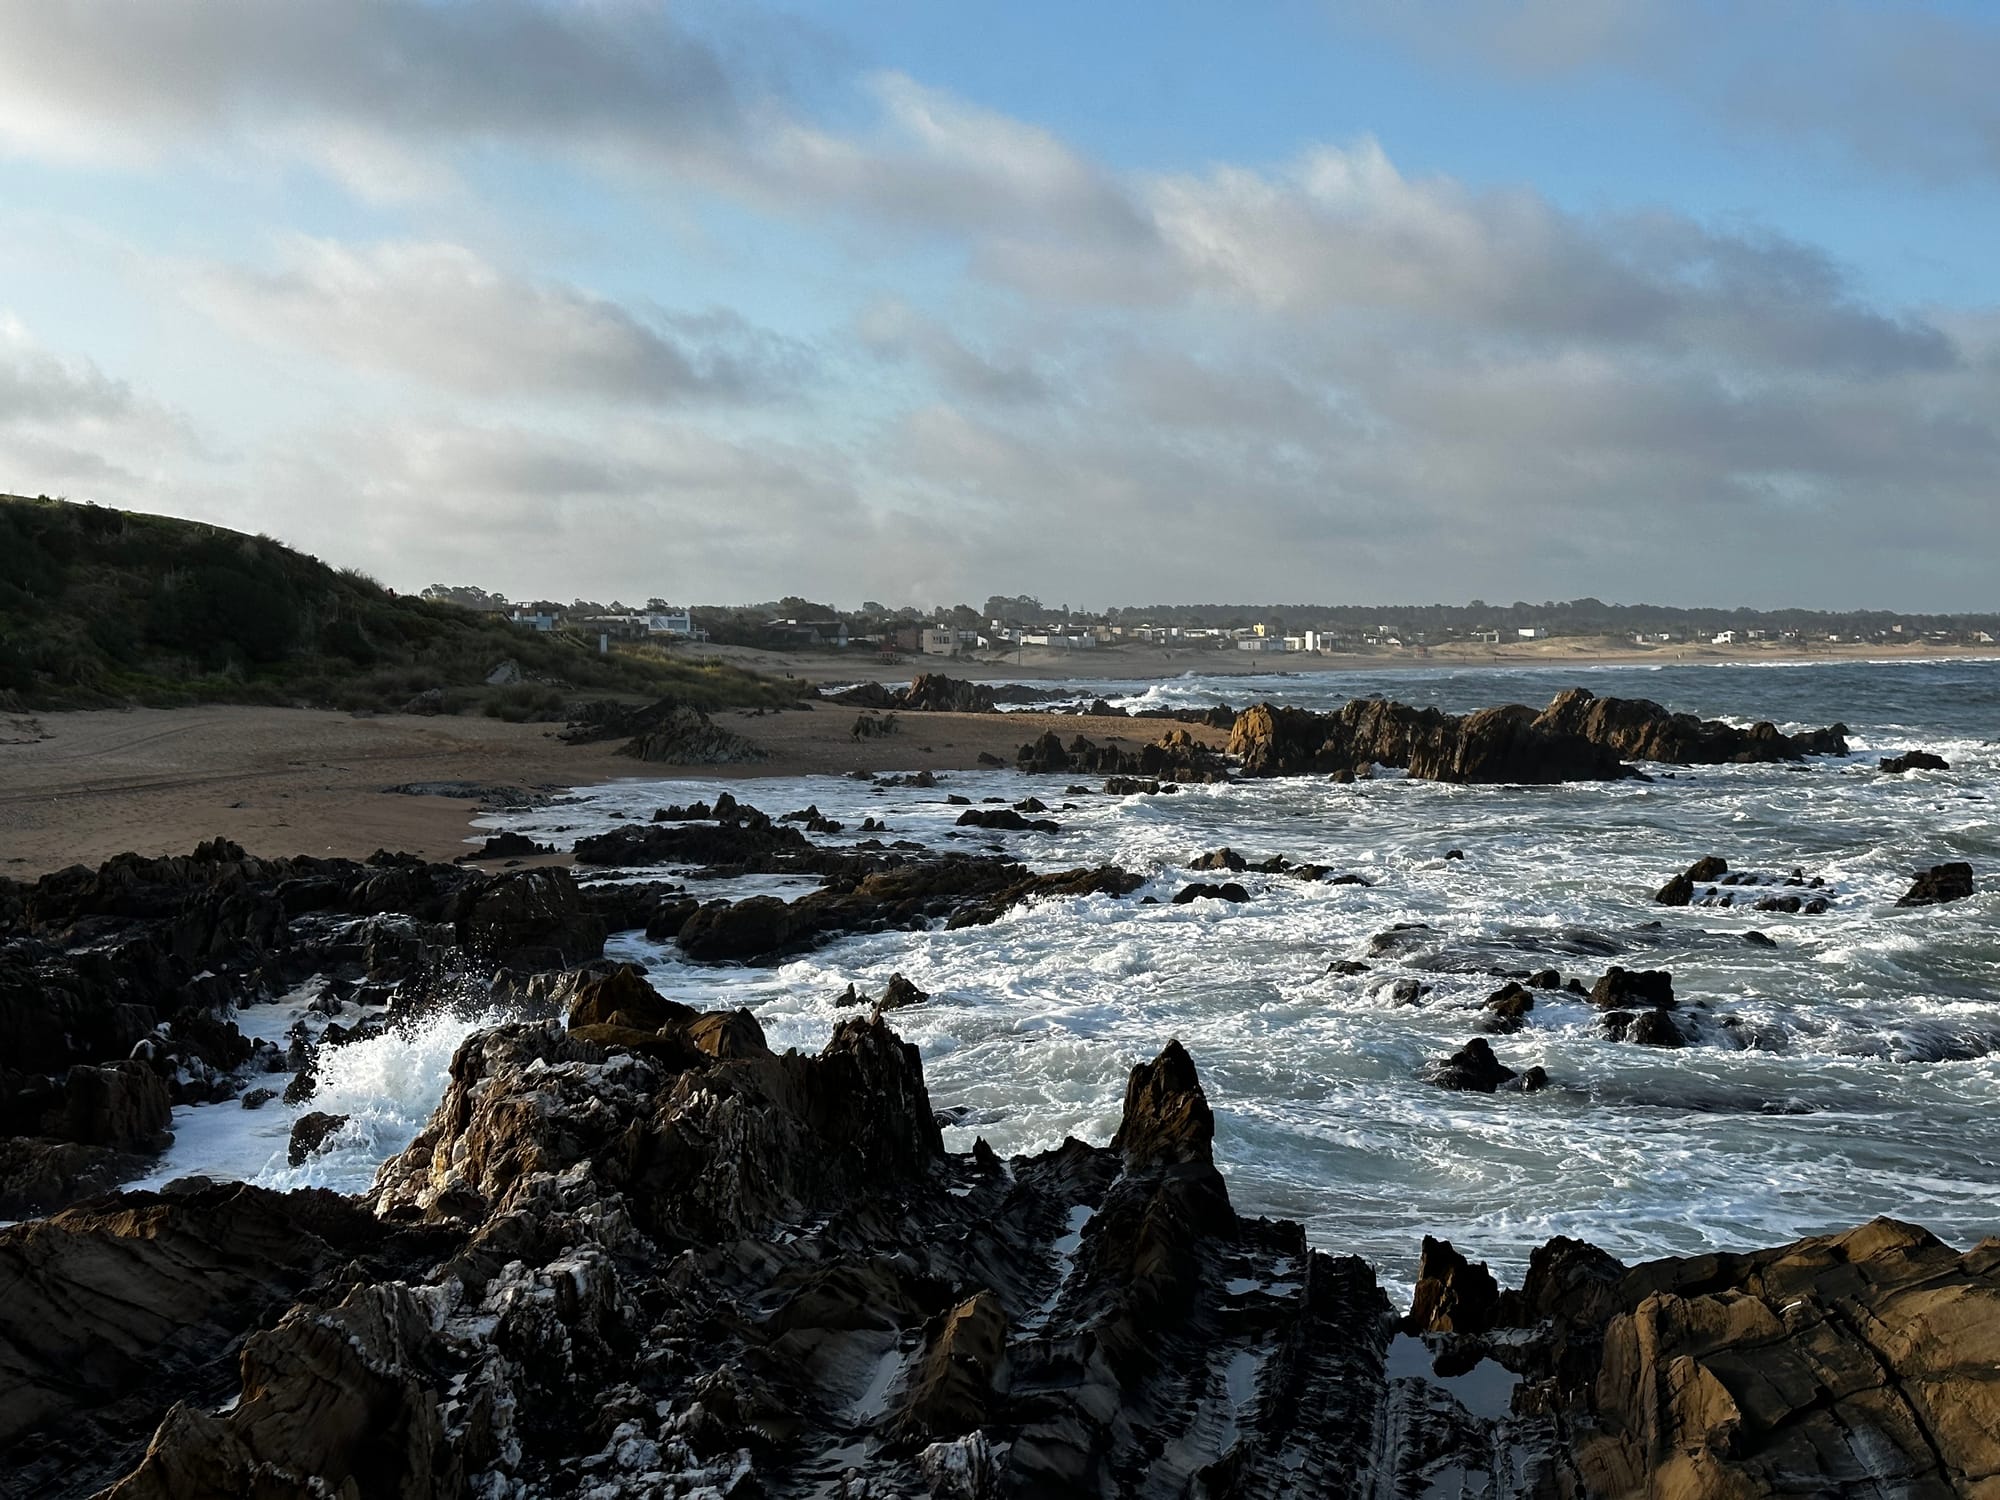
(1914, 760)
(310, 1133)
(933, 692)
(1135, 786)
(1453, 1295)
(1492, 746)
(1219, 859)
(680, 735)
(900, 992)
(1578, 737)
(1633, 987)
(1507, 1008)
(1200, 891)
(1006, 819)
(1175, 756)
(1861, 1363)
(735, 845)
(1639, 729)
(116, 1308)
(763, 1272)
(1471, 1069)
(532, 919)
(1648, 1028)
(1166, 1119)
(1946, 882)
(1680, 890)
(960, 892)
(506, 846)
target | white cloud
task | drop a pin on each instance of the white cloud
(439, 313)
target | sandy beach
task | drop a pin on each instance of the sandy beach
(1139, 662)
(76, 788)
(79, 787)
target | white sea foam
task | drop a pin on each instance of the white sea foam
(1851, 1070)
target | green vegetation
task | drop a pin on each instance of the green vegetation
(102, 607)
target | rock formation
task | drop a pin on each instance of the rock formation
(645, 1255)
(1578, 737)
(1946, 882)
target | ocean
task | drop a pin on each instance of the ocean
(1848, 1069)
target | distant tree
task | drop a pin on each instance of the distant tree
(465, 595)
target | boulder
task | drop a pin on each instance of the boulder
(1199, 891)
(310, 1133)
(1946, 882)
(1648, 1028)
(1633, 987)
(898, 993)
(1007, 819)
(1472, 1069)
(1507, 1008)
(1914, 760)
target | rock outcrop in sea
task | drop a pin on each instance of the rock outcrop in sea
(1578, 737)
(648, 1256)
(638, 1252)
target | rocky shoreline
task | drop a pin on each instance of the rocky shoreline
(636, 1251)
(644, 1255)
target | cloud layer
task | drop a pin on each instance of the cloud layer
(965, 354)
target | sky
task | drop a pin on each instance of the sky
(1354, 301)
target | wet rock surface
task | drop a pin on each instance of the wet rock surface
(118, 986)
(1940, 883)
(644, 1255)
(1578, 737)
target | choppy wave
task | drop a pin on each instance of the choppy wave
(1850, 1068)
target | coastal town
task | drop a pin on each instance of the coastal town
(1007, 625)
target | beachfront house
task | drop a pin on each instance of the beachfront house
(671, 623)
(942, 640)
(1532, 633)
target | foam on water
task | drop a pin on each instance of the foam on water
(387, 1086)
(1853, 1069)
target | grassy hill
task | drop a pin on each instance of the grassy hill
(102, 607)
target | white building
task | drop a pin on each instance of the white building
(1531, 633)
(544, 623)
(1724, 638)
(680, 624)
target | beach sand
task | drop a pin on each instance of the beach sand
(1139, 662)
(76, 788)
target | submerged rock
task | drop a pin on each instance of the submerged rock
(1914, 760)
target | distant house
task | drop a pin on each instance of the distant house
(1057, 641)
(1531, 632)
(545, 623)
(1490, 637)
(942, 640)
(1724, 638)
(671, 623)
(812, 632)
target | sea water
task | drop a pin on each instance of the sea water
(1851, 1070)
